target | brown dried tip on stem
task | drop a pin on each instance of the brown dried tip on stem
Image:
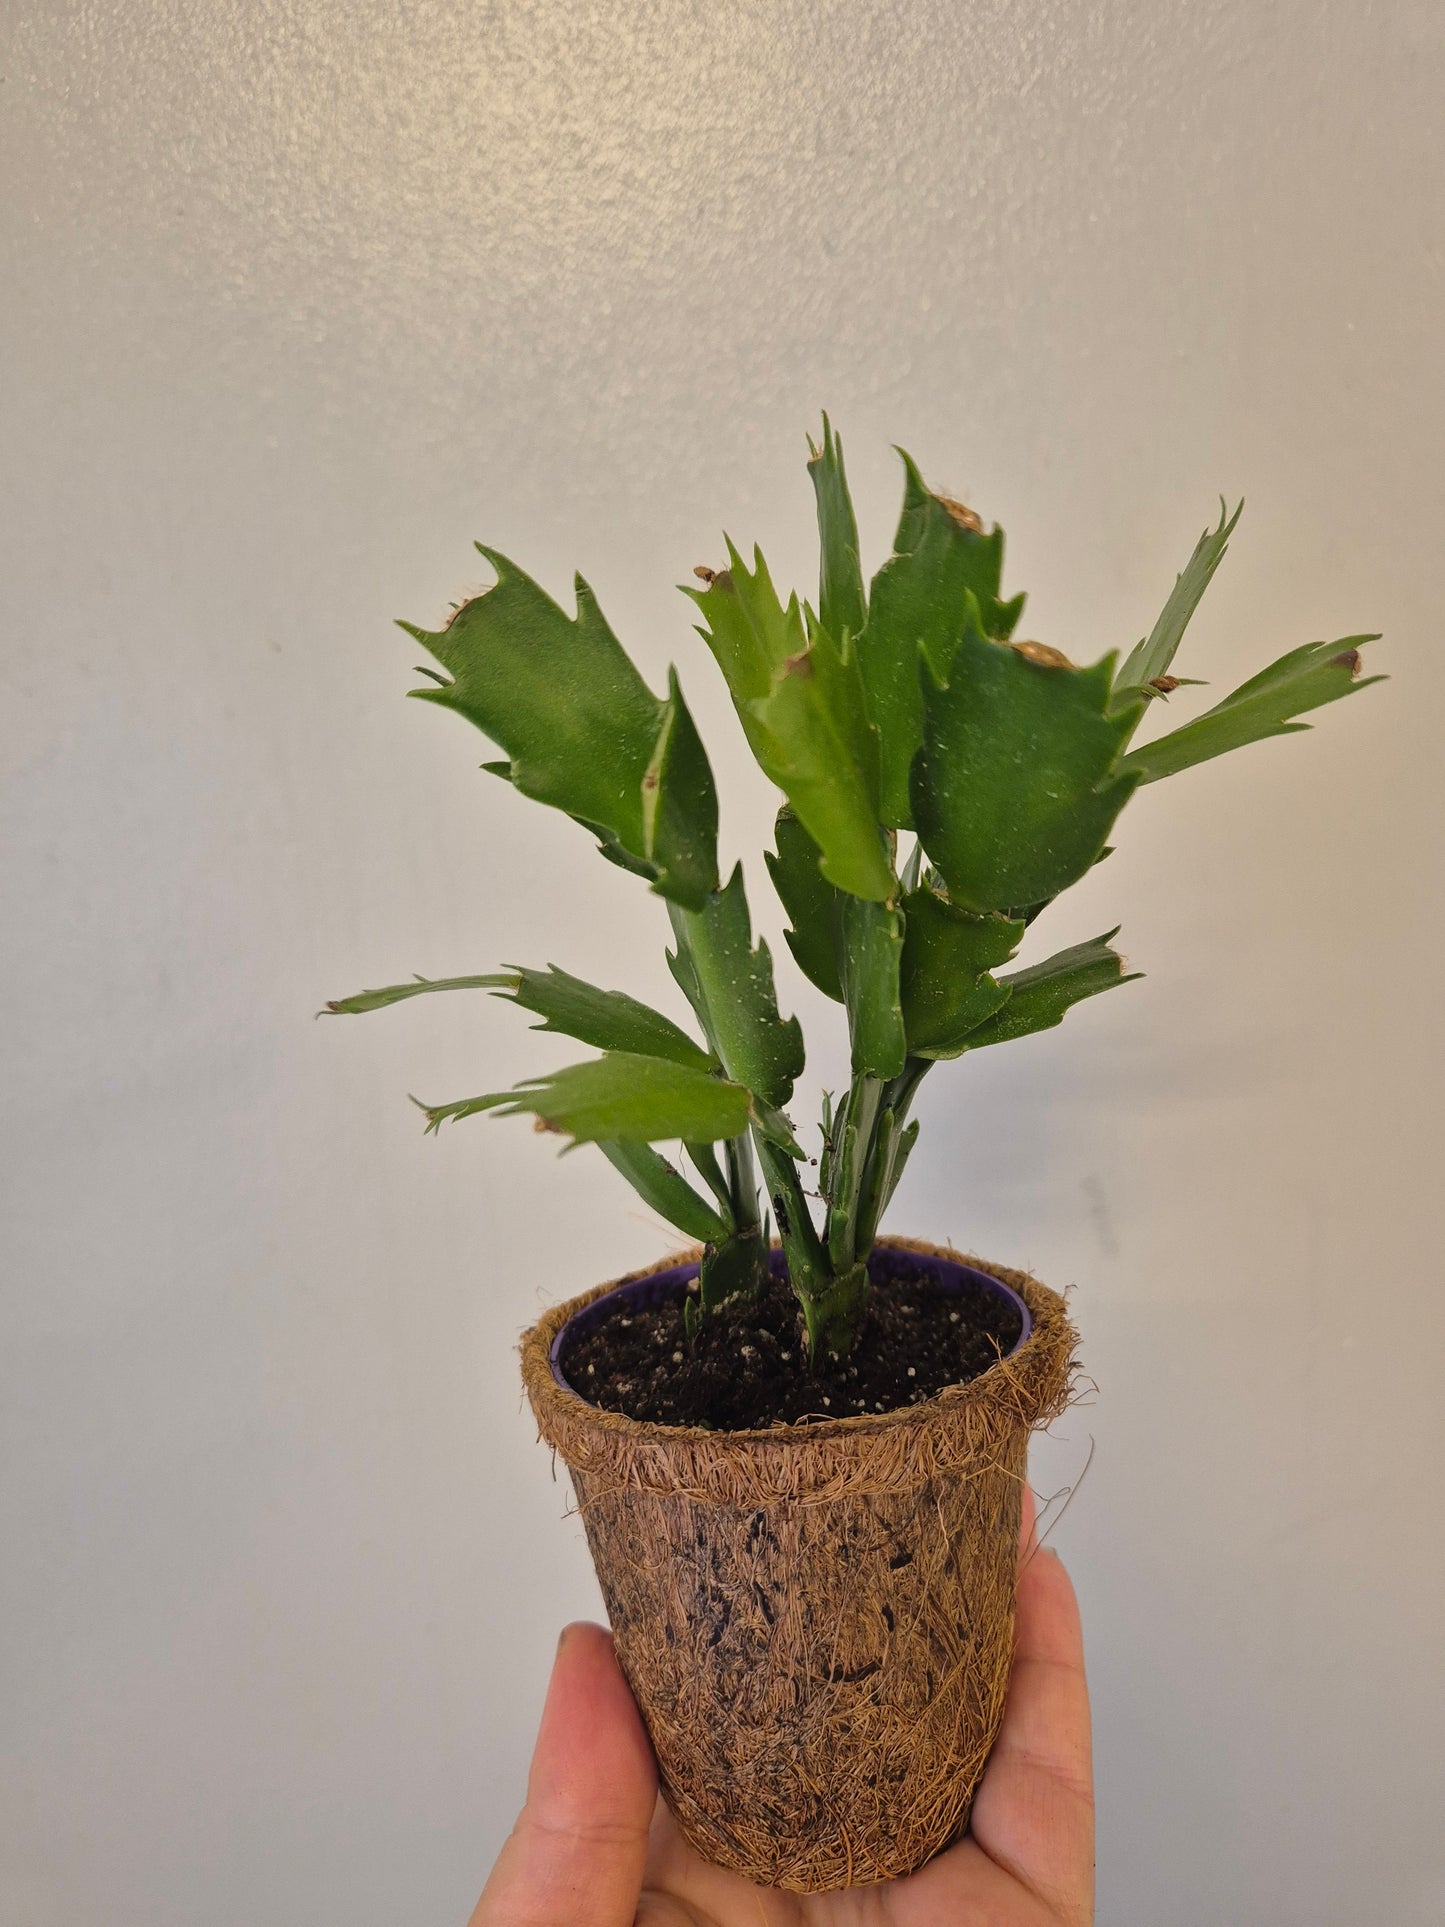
(545, 1124)
(1347, 659)
(1163, 685)
(961, 513)
(460, 609)
(705, 574)
(1043, 653)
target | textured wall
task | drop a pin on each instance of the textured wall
(300, 298)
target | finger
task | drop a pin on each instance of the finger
(1034, 1813)
(579, 1846)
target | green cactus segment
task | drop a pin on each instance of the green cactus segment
(810, 901)
(734, 1268)
(903, 1150)
(1320, 672)
(608, 1019)
(366, 1000)
(662, 1186)
(1014, 790)
(609, 846)
(639, 1100)
(800, 698)
(841, 608)
(939, 558)
(825, 760)
(679, 805)
(730, 986)
(751, 635)
(854, 1132)
(948, 957)
(679, 962)
(849, 947)
(832, 1316)
(870, 950)
(1151, 658)
(1042, 995)
(775, 1127)
(581, 729)
(705, 1160)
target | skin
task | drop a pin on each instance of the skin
(595, 1847)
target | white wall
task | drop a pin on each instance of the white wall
(299, 299)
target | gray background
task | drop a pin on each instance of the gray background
(298, 300)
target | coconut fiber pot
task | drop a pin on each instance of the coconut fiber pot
(816, 1620)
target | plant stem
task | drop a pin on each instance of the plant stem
(830, 1283)
(832, 1305)
(898, 1095)
(706, 1160)
(860, 1119)
(807, 1260)
(742, 1184)
(740, 1189)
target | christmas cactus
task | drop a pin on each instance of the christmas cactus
(943, 783)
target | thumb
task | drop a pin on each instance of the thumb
(579, 1846)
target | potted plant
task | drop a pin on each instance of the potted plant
(799, 1456)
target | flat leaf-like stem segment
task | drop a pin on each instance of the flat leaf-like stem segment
(730, 986)
(799, 696)
(608, 1019)
(1040, 996)
(949, 955)
(810, 901)
(1015, 789)
(1320, 672)
(661, 1185)
(1151, 658)
(365, 1000)
(870, 949)
(903, 1150)
(849, 947)
(841, 608)
(832, 1316)
(941, 555)
(581, 728)
(639, 1100)
(734, 1268)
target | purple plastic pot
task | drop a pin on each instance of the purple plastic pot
(893, 1262)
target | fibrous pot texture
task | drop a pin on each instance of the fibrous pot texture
(816, 1619)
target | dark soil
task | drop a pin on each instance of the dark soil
(748, 1365)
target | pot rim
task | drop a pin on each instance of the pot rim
(818, 1461)
(650, 1287)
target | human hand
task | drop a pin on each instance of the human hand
(595, 1847)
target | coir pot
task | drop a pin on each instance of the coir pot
(816, 1620)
